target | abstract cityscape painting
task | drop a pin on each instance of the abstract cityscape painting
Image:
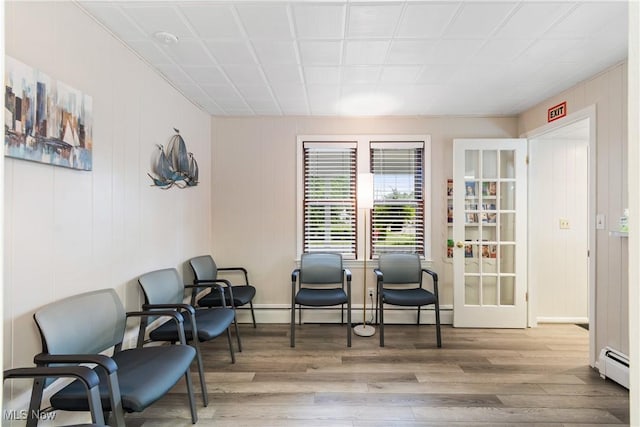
(46, 120)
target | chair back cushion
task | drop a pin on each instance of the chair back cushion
(321, 268)
(87, 323)
(400, 268)
(204, 267)
(162, 287)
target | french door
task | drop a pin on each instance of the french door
(490, 233)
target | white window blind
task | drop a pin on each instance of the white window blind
(397, 219)
(329, 221)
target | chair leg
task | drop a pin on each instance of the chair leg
(192, 400)
(438, 335)
(292, 333)
(37, 390)
(418, 322)
(381, 325)
(233, 356)
(203, 383)
(348, 323)
(235, 323)
(253, 314)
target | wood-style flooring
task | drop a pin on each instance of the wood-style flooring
(480, 377)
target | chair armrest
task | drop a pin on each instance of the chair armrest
(244, 271)
(347, 273)
(177, 317)
(294, 274)
(107, 363)
(434, 277)
(186, 307)
(83, 373)
(214, 284)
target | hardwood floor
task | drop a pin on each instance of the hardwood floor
(480, 377)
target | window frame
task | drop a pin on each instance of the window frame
(363, 144)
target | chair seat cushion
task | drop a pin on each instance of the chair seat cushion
(144, 374)
(211, 322)
(408, 297)
(321, 297)
(241, 295)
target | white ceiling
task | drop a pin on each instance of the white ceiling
(397, 57)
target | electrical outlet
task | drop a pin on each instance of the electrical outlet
(564, 224)
(370, 292)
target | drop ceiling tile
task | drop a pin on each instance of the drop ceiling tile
(479, 19)
(323, 100)
(545, 49)
(189, 53)
(254, 92)
(276, 52)
(289, 92)
(400, 74)
(532, 19)
(211, 21)
(231, 52)
(411, 51)
(436, 74)
(587, 18)
(320, 52)
(195, 93)
(373, 20)
(153, 52)
(426, 20)
(217, 92)
(115, 20)
(319, 21)
(289, 74)
(455, 51)
(158, 18)
(265, 21)
(244, 75)
(174, 74)
(365, 52)
(206, 75)
(322, 75)
(360, 75)
(501, 51)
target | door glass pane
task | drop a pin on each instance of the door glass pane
(507, 227)
(507, 196)
(507, 164)
(489, 164)
(507, 259)
(471, 164)
(489, 290)
(507, 290)
(471, 290)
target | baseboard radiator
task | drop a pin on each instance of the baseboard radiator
(614, 365)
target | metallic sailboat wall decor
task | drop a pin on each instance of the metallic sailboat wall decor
(173, 166)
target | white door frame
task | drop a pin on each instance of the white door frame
(585, 113)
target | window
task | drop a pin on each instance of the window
(398, 191)
(330, 198)
(328, 214)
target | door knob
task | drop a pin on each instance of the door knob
(460, 245)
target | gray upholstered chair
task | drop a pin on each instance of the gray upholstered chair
(399, 279)
(163, 289)
(85, 375)
(81, 328)
(206, 271)
(320, 283)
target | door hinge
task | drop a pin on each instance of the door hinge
(526, 296)
(526, 160)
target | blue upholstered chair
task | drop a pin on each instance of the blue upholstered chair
(320, 282)
(85, 375)
(163, 290)
(81, 328)
(399, 279)
(205, 271)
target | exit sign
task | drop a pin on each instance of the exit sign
(556, 112)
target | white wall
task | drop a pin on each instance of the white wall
(608, 92)
(254, 191)
(69, 231)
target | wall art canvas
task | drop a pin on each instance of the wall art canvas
(46, 120)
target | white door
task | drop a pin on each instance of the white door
(559, 233)
(490, 233)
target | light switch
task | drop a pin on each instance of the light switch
(564, 224)
(601, 222)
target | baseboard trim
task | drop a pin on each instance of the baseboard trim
(563, 320)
